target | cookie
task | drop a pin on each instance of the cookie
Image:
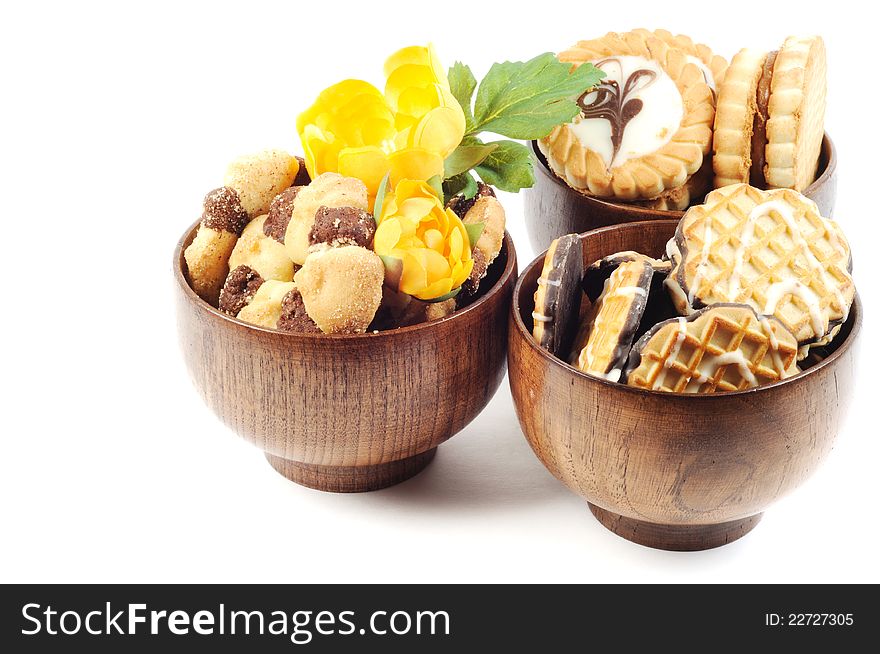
(659, 306)
(264, 309)
(725, 347)
(680, 198)
(713, 66)
(238, 291)
(261, 253)
(259, 177)
(336, 226)
(644, 129)
(294, 317)
(341, 288)
(770, 114)
(207, 257)
(329, 190)
(302, 175)
(461, 205)
(558, 295)
(598, 272)
(485, 209)
(610, 325)
(771, 250)
(279, 213)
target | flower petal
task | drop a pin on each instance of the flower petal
(415, 163)
(368, 164)
(440, 131)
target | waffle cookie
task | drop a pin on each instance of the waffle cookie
(644, 129)
(770, 114)
(768, 249)
(607, 330)
(558, 296)
(725, 347)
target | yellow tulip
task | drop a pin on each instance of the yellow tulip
(356, 130)
(430, 241)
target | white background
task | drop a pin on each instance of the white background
(116, 119)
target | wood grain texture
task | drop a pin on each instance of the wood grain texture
(667, 460)
(552, 208)
(348, 412)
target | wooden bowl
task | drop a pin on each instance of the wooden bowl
(553, 208)
(348, 413)
(673, 471)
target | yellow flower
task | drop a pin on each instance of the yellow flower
(430, 242)
(356, 130)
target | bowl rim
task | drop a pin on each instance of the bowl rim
(178, 265)
(821, 180)
(523, 332)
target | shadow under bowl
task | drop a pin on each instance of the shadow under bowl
(552, 208)
(667, 470)
(348, 413)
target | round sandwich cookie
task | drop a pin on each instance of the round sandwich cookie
(725, 347)
(608, 328)
(681, 197)
(770, 115)
(713, 66)
(642, 130)
(558, 296)
(771, 250)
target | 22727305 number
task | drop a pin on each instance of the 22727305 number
(808, 619)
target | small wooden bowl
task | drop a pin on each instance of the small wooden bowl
(348, 413)
(673, 471)
(553, 208)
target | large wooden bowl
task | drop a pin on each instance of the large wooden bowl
(348, 413)
(673, 471)
(552, 208)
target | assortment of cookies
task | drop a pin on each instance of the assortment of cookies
(671, 120)
(277, 249)
(750, 282)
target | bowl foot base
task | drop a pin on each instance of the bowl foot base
(351, 479)
(679, 538)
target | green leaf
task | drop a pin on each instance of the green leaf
(443, 298)
(508, 168)
(465, 157)
(462, 84)
(393, 271)
(463, 184)
(473, 231)
(380, 198)
(526, 100)
(436, 183)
